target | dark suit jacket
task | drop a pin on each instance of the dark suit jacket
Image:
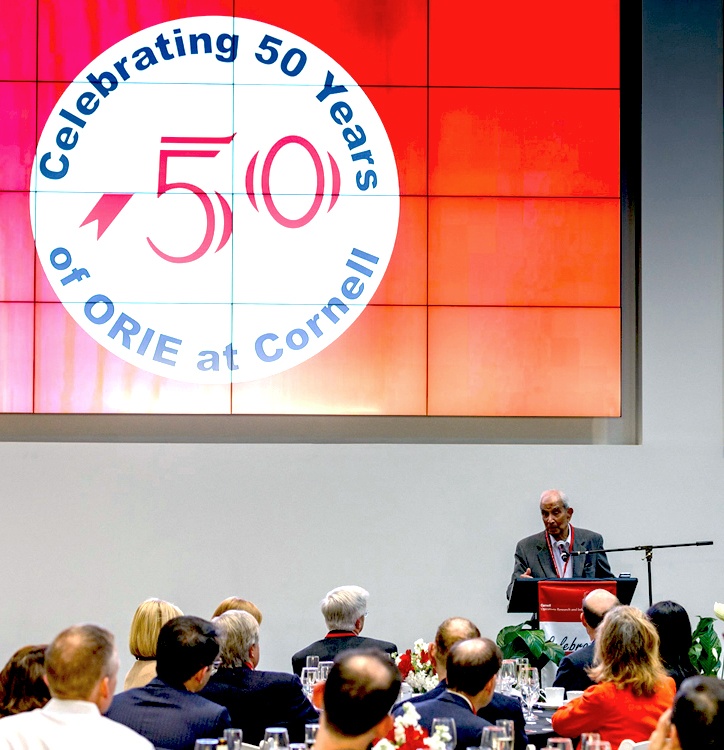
(532, 552)
(171, 718)
(256, 700)
(327, 648)
(500, 707)
(571, 673)
(468, 726)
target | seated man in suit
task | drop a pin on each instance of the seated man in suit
(344, 611)
(255, 699)
(81, 668)
(572, 671)
(501, 706)
(167, 711)
(547, 554)
(471, 669)
(356, 700)
(696, 721)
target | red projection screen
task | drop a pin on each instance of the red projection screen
(398, 207)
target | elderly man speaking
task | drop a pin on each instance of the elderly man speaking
(547, 554)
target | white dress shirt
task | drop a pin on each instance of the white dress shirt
(557, 554)
(67, 725)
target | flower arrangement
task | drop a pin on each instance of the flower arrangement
(417, 668)
(407, 734)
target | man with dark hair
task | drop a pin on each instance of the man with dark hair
(356, 700)
(501, 706)
(81, 671)
(548, 553)
(572, 672)
(696, 721)
(167, 711)
(471, 669)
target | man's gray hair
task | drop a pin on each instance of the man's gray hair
(238, 632)
(343, 606)
(562, 495)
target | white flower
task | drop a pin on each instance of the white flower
(719, 610)
(410, 717)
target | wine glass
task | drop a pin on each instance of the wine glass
(310, 735)
(529, 685)
(444, 729)
(234, 738)
(560, 743)
(507, 676)
(519, 664)
(599, 745)
(313, 662)
(588, 738)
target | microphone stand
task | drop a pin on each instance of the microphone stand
(647, 548)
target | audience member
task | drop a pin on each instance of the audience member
(344, 611)
(167, 711)
(471, 669)
(81, 669)
(501, 706)
(150, 616)
(696, 721)
(356, 700)
(672, 623)
(255, 699)
(22, 687)
(234, 602)
(572, 672)
(632, 689)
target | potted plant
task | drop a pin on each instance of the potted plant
(524, 640)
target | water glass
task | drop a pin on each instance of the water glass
(444, 729)
(310, 734)
(588, 738)
(310, 676)
(495, 738)
(519, 664)
(275, 738)
(313, 662)
(508, 725)
(206, 744)
(507, 675)
(324, 669)
(600, 745)
(234, 738)
(560, 743)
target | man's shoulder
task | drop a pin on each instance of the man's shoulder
(505, 703)
(159, 695)
(262, 678)
(534, 540)
(586, 534)
(311, 649)
(365, 642)
(582, 657)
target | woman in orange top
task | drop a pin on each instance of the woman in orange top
(632, 688)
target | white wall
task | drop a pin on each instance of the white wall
(91, 529)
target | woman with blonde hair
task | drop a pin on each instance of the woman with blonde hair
(242, 605)
(632, 688)
(150, 616)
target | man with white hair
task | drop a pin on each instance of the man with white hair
(255, 699)
(344, 610)
(548, 553)
(81, 667)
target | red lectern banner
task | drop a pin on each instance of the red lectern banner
(560, 610)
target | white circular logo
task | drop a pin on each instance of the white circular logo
(215, 199)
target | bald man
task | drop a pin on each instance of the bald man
(572, 674)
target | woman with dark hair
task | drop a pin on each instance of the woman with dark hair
(672, 623)
(22, 687)
(632, 688)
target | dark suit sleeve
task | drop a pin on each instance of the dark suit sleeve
(564, 675)
(519, 567)
(506, 707)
